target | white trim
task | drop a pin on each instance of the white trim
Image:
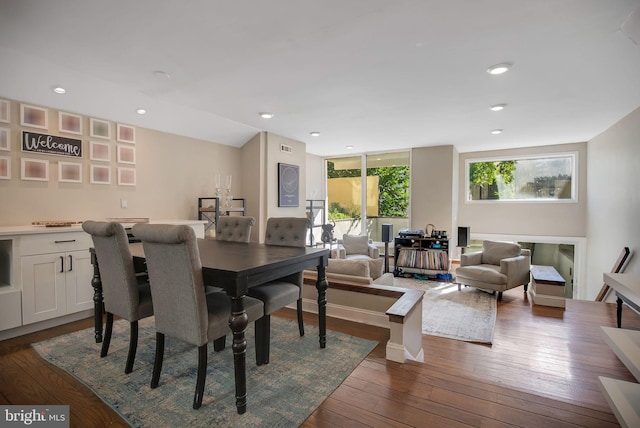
(574, 179)
(43, 325)
(579, 255)
(348, 313)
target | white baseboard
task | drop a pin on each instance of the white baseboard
(348, 313)
(42, 325)
(398, 353)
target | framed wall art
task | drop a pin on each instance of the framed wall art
(5, 167)
(126, 133)
(5, 139)
(99, 151)
(34, 117)
(5, 111)
(69, 172)
(126, 176)
(100, 128)
(100, 174)
(35, 169)
(70, 123)
(126, 154)
(288, 185)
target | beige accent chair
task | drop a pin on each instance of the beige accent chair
(182, 308)
(126, 294)
(234, 229)
(358, 247)
(500, 266)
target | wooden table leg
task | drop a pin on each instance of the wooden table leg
(321, 286)
(619, 310)
(96, 283)
(238, 323)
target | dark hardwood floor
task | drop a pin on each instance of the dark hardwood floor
(541, 371)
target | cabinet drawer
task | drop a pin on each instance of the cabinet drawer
(46, 243)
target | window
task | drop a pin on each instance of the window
(540, 178)
(361, 203)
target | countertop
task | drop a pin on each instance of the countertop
(30, 229)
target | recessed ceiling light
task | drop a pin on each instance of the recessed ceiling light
(59, 90)
(349, 147)
(499, 68)
(141, 111)
(266, 115)
(496, 131)
(497, 107)
(314, 134)
(161, 74)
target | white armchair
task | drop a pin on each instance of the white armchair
(500, 266)
(358, 247)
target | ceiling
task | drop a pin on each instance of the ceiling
(376, 75)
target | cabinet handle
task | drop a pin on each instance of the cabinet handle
(70, 262)
(61, 264)
(62, 242)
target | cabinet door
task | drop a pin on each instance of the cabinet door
(43, 287)
(79, 271)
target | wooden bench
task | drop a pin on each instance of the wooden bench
(405, 316)
(547, 286)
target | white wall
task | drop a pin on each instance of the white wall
(613, 208)
(252, 171)
(316, 178)
(274, 156)
(172, 172)
(523, 218)
(432, 188)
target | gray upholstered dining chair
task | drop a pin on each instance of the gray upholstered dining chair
(234, 228)
(290, 232)
(125, 294)
(182, 308)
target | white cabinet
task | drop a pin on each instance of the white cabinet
(10, 295)
(56, 275)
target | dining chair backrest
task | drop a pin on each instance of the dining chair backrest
(235, 229)
(175, 274)
(286, 231)
(119, 283)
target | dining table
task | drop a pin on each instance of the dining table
(236, 267)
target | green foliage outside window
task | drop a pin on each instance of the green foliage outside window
(483, 176)
(542, 178)
(393, 191)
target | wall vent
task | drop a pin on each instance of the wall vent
(286, 149)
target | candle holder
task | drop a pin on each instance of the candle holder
(228, 195)
(218, 186)
(228, 199)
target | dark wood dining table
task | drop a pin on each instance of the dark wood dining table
(236, 267)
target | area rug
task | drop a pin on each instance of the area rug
(283, 393)
(468, 314)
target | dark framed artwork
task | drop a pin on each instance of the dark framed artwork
(288, 185)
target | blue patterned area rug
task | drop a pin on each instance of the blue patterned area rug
(282, 393)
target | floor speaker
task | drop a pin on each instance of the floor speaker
(464, 236)
(387, 232)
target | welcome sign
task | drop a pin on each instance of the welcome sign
(51, 144)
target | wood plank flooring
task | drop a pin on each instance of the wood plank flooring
(541, 371)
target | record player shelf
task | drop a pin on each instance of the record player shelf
(424, 256)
